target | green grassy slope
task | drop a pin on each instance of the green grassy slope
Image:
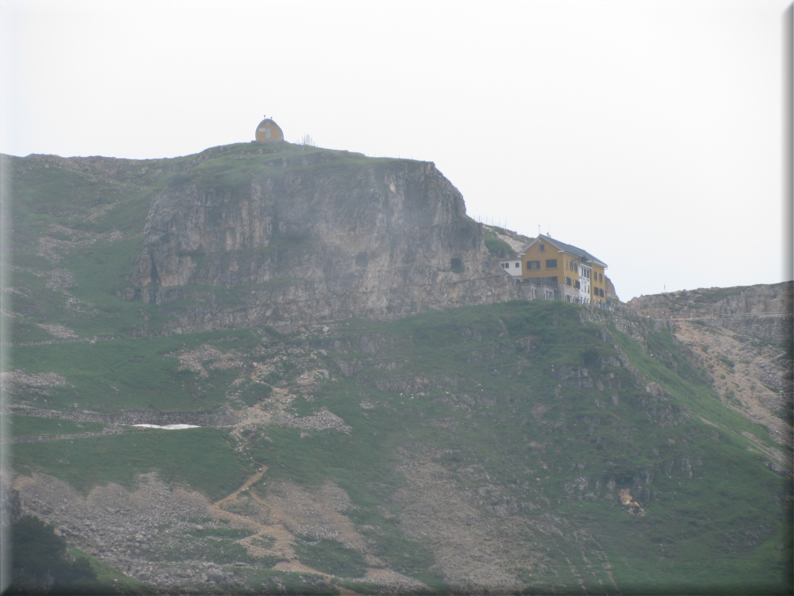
(95, 461)
(704, 528)
(557, 413)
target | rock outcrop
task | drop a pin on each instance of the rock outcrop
(763, 311)
(312, 237)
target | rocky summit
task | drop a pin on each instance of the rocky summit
(310, 236)
(277, 369)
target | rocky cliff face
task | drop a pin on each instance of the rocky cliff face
(311, 237)
(763, 311)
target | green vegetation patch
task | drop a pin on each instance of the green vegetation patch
(213, 543)
(363, 463)
(132, 373)
(41, 563)
(331, 556)
(24, 426)
(111, 580)
(204, 459)
(498, 247)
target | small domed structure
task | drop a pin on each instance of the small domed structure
(268, 131)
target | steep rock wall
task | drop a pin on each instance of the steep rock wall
(322, 236)
(763, 311)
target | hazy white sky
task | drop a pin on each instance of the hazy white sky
(648, 132)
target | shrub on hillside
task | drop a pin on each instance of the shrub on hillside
(41, 564)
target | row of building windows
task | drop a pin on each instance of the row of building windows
(573, 283)
(552, 264)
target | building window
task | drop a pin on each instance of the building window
(517, 265)
(600, 277)
(577, 285)
(267, 133)
(567, 281)
(551, 263)
(533, 264)
(542, 247)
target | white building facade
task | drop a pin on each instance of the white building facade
(513, 267)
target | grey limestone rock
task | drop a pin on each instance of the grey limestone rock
(322, 238)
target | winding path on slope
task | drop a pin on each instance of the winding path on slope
(283, 538)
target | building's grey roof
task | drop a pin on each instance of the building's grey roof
(268, 121)
(569, 248)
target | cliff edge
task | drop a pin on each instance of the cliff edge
(307, 236)
(763, 311)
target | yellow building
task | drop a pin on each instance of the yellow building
(268, 131)
(563, 271)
